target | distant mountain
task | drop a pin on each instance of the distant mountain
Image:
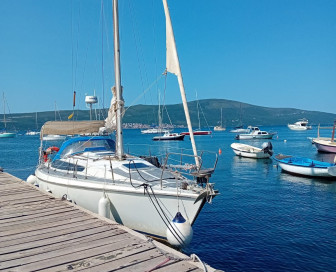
(209, 108)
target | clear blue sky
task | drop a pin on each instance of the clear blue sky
(273, 53)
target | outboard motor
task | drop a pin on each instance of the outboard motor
(268, 148)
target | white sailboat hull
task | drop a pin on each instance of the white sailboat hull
(128, 206)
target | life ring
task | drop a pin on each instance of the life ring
(48, 151)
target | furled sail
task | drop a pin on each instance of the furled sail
(173, 66)
(111, 120)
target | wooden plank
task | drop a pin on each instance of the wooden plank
(24, 195)
(49, 235)
(40, 221)
(79, 253)
(22, 215)
(21, 235)
(8, 209)
(24, 211)
(52, 240)
(43, 256)
(94, 234)
(28, 200)
(76, 217)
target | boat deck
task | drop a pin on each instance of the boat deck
(40, 232)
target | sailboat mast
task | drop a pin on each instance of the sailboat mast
(119, 138)
(3, 96)
(173, 66)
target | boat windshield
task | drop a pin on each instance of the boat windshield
(86, 145)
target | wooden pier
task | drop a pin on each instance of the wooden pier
(41, 233)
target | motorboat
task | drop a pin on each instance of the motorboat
(142, 193)
(32, 133)
(305, 166)
(255, 133)
(54, 137)
(169, 137)
(249, 151)
(302, 124)
(325, 144)
(155, 131)
(239, 130)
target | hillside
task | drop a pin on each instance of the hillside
(147, 114)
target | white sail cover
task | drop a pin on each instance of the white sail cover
(111, 120)
(172, 61)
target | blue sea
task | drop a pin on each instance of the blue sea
(263, 219)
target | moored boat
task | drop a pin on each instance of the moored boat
(255, 133)
(169, 137)
(249, 151)
(302, 124)
(325, 144)
(96, 173)
(305, 166)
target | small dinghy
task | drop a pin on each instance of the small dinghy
(250, 151)
(169, 137)
(305, 166)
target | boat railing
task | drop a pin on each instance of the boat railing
(179, 159)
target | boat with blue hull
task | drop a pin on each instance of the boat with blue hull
(305, 166)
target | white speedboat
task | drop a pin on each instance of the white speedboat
(95, 173)
(249, 151)
(155, 131)
(239, 129)
(54, 137)
(302, 124)
(255, 133)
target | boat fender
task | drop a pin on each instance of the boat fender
(104, 206)
(32, 179)
(179, 233)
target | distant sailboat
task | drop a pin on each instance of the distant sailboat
(199, 131)
(54, 137)
(4, 133)
(220, 128)
(32, 132)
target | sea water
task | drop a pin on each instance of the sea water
(263, 219)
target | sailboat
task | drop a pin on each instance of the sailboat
(220, 128)
(94, 172)
(4, 133)
(159, 129)
(239, 128)
(32, 132)
(198, 131)
(54, 136)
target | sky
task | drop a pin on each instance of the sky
(279, 53)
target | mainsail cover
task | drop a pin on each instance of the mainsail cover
(71, 127)
(111, 120)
